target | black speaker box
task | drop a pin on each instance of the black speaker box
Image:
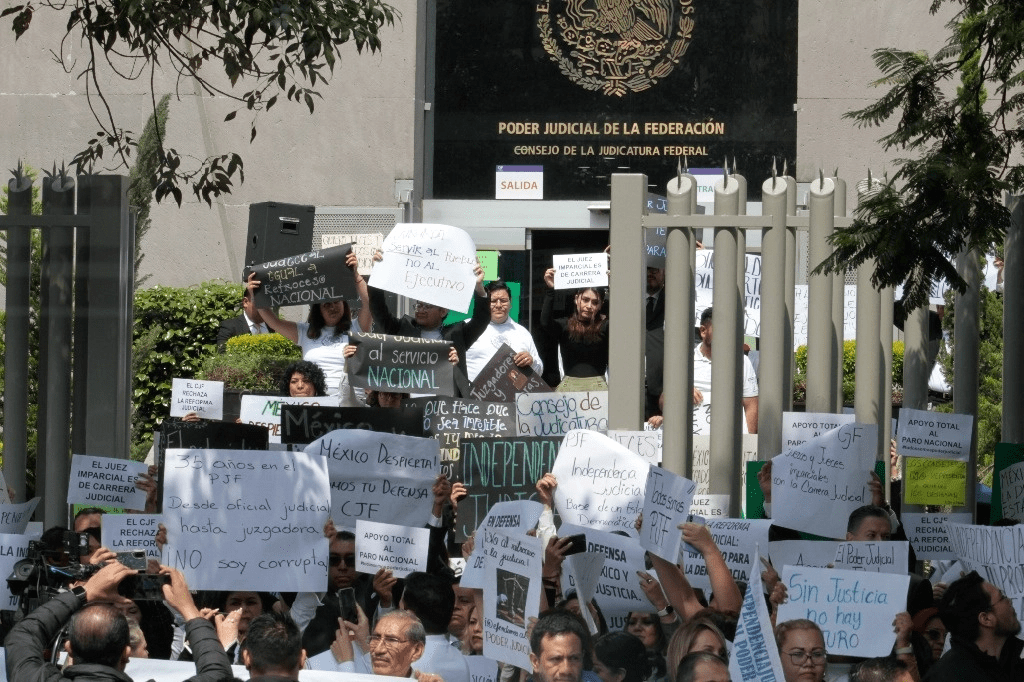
(278, 230)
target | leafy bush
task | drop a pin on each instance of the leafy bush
(849, 371)
(251, 363)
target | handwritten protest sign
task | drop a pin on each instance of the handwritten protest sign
(618, 587)
(13, 548)
(556, 414)
(800, 427)
(934, 481)
(737, 540)
(303, 424)
(1007, 454)
(379, 477)
(816, 485)
(205, 398)
(14, 518)
(252, 517)
(511, 595)
(482, 669)
(265, 411)
(934, 434)
(702, 417)
(1011, 491)
(131, 533)
(501, 379)
(432, 263)
(667, 498)
(875, 557)
(363, 245)
(927, 533)
(449, 420)
(754, 656)
(5, 496)
(401, 364)
(106, 481)
(399, 549)
(996, 553)
(849, 606)
(600, 483)
(497, 470)
(812, 553)
(212, 435)
(515, 517)
(647, 444)
(305, 278)
(700, 471)
(578, 270)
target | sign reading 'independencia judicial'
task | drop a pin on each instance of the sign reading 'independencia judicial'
(585, 88)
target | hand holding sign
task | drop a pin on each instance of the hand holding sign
(322, 275)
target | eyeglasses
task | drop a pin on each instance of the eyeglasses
(935, 635)
(425, 306)
(389, 641)
(337, 559)
(500, 302)
(799, 656)
(1002, 597)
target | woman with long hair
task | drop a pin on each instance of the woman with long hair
(582, 338)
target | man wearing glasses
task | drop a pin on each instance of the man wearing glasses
(502, 330)
(982, 625)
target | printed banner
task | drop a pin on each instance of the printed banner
(737, 539)
(131, 533)
(927, 533)
(399, 549)
(934, 434)
(578, 270)
(754, 656)
(618, 586)
(205, 398)
(106, 482)
(516, 517)
(800, 427)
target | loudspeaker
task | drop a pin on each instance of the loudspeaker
(278, 230)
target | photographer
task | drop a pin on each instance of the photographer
(98, 643)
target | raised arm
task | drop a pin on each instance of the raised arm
(365, 319)
(723, 585)
(677, 588)
(285, 328)
(476, 325)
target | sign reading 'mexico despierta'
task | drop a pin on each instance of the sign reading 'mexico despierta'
(585, 88)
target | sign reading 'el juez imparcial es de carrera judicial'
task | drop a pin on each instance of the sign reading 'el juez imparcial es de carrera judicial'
(582, 89)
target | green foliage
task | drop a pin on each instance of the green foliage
(263, 346)
(849, 370)
(174, 330)
(966, 154)
(279, 49)
(252, 363)
(140, 185)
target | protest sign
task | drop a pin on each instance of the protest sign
(812, 553)
(936, 435)
(363, 245)
(449, 420)
(511, 594)
(853, 608)
(1007, 454)
(754, 656)
(482, 669)
(816, 485)
(515, 517)
(700, 469)
(889, 556)
(702, 417)
(996, 553)
(106, 481)
(497, 470)
(667, 498)
(800, 427)
(158, 670)
(927, 533)
(501, 379)
(305, 278)
(1011, 491)
(586, 569)
(14, 518)
(617, 590)
(377, 476)
(255, 517)
(303, 424)
(131, 533)
(600, 483)
(265, 411)
(737, 540)
(556, 414)
(429, 262)
(579, 270)
(205, 398)
(934, 481)
(211, 435)
(5, 496)
(399, 549)
(655, 249)
(710, 506)
(13, 548)
(647, 444)
(401, 364)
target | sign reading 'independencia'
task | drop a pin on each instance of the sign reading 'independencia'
(401, 364)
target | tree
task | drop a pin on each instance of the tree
(140, 179)
(949, 196)
(274, 47)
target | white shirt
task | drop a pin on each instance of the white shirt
(327, 352)
(514, 334)
(255, 327)
(702, 379)
(441, 658)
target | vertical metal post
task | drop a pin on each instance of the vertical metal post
(966, 355)
(627, 350)
(885, 380)
(58, 199)
(677, 436)
(790, 291)
(915, 376)
(16, 352)
(838, 305)
(869, 354)
(1013, 323)
(772, 388)
(820, 364)
(726, 349)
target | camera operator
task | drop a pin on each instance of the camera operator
(98, 643)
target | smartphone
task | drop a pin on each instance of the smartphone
(347, 599)
(577, 544)
(135, 560)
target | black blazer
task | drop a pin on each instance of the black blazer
(236, 326)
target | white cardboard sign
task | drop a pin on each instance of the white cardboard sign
(754, 656)
(667, 499)
(513, 516)
(14, 518)
(131, 533)
(618, 586)
(738, 540)
(363, 245)
(106, 482)
(399, 549)
(556, 414)
(800, 427)
(511, 595)
(429, 262)
(13, 548)
(578, 270)
(927, 533)
(890, 556)
(813, 553)
(936, 435)
(205, 398)
(647, 444)
(265, 411)
(1011, 491)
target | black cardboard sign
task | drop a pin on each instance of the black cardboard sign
(306, 278)
(303, 424)
(500, 380)
(401, 364)
(450, 420)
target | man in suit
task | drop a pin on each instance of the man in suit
(249, 322)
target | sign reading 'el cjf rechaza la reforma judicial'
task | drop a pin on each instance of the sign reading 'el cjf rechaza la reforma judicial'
(586, 88)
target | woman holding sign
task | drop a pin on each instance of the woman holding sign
(324, 334)
(582, 338)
